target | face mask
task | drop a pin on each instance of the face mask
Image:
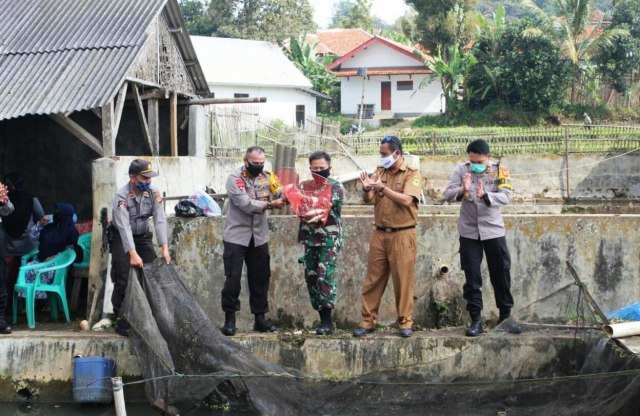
(324, 173)
(143, 186)
(254, 170)
(388, 161)
(477, 167)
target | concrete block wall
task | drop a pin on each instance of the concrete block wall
(603, 249)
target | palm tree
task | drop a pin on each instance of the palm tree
(579, 39)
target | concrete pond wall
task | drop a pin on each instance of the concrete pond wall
(604, 249)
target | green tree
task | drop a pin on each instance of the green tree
(314, 67)
(577, 44)
(620, 63)
(518, 66)
(270, 20)
(442, 23)
(452, 73)
(353, 14)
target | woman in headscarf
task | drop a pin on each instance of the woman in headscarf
(28, 211)
(54, 239)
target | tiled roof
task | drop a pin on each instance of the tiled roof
(337, 41)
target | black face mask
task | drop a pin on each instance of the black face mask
(324, 173)
(254, 170)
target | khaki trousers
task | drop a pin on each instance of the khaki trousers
(395, 254)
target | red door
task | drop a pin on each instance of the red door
(385, 95)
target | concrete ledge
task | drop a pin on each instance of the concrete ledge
(40, 364)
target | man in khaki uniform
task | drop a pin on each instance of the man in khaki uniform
(394, 189)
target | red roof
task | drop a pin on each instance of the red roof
(405, 50)
(351, 72)
(337, 41)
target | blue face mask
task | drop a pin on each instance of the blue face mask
(143, 186)
(477, 167)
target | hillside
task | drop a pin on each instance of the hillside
(515, 10)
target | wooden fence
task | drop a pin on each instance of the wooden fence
(551, 140)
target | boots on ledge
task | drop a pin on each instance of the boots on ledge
(229, 328)
(326, 326)
(261, 325)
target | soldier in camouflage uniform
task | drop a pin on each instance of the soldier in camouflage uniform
(321, 247)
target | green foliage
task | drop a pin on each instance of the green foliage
(443, 23)
(619, 62)
(314, 67)
(345, 122)
(517, 68)
(452, 72)
(353, 14)
(270, 20)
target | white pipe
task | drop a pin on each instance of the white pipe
(626, 329)
(118, 396)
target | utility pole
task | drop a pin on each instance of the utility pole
(363, 73)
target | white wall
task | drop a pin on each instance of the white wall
(380, 56)
(423, 101)
(281, 102)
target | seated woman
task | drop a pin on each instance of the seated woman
(54, 239)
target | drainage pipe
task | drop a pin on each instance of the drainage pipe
(118, 396)
(626, 329)
(443, 270)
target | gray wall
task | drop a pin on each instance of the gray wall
(603, 249)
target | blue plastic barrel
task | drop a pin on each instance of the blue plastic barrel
(92, 379)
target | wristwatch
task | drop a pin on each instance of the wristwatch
(269, 205)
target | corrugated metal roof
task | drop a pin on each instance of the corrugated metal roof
(68, 55)
(228, 61)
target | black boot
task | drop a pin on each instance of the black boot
(261, 325)
(4, 327)
(229, 328)
(326, 326)
(476, 325)
(509, 325)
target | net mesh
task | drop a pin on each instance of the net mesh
(185, 359)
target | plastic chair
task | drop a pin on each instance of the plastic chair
(60, 264)
(28, 257)
(80, 270)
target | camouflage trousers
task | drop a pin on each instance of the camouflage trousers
(319, 269)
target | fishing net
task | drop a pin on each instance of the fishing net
(561, 364)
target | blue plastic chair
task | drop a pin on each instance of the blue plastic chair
(80, 270)
(60, 264)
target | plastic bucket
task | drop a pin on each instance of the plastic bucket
(92, 379)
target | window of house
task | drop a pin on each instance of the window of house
(238, 95)
(300, 115)
(405, 85)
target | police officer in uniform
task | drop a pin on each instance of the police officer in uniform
(250, 189)
(132, 244)
(6, 208)
(483, 186)
(395, 189)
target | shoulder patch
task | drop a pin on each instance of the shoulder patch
(122, 205)
(240, 184)
(504, 171)
(415, 182)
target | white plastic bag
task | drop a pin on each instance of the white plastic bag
(202, 200)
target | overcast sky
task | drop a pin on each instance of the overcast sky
(387, 10)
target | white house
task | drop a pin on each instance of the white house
(391, 84)
(239, 68)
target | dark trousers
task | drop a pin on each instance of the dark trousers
(258, 274)
(3, 291)
(499, 263)
(120, 264)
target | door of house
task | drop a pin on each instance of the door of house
(385, 95)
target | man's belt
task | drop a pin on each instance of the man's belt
(394, 230)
